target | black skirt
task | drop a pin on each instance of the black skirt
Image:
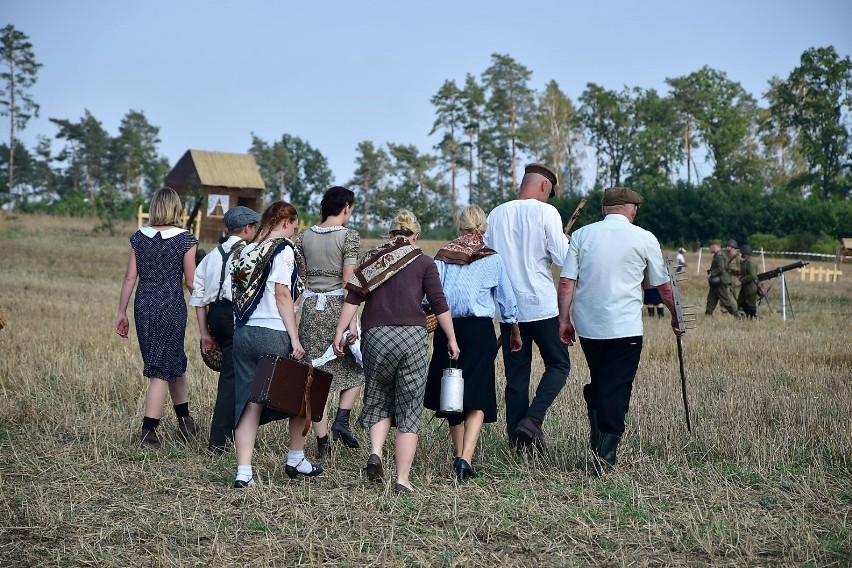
(478, 345)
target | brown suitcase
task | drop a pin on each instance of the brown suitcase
(291, 387)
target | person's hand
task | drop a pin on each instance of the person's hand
(122, 325)
(515, 341)
(338, 344)
(677, 330)
(567, 334)
(298, 350)
(353, 333)
(453, 349)
(208, 344)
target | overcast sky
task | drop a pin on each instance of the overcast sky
(210, 73)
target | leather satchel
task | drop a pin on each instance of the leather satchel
(291, 387)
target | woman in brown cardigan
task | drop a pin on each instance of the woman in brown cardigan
(392, 281)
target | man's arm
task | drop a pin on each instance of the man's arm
(565, 298)
(668, 300)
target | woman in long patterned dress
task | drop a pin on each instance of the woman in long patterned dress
(392, 280)
(473, 278)
(326, 255)
(264, 288)
(162, 254)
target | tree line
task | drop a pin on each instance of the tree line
(779, 169)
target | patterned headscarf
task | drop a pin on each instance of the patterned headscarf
(380, 264)
(250, 273)
(467, 248)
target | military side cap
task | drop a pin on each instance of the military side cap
(620, 196)
(731, 243)
(240, 216)
(543, 170)
(716, 242)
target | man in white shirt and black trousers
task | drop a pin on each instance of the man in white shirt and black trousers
(527, 233)
(602, 277)
(211, 297)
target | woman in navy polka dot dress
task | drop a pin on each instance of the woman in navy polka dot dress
(161, 256)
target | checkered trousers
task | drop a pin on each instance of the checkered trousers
(396, 359)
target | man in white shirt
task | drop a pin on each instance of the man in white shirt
(602, 276)
(211, 297)
(527, 233)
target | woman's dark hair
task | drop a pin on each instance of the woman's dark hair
(334, 200)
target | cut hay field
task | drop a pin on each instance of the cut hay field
(764, 479)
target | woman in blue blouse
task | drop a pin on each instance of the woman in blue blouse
(473, 277)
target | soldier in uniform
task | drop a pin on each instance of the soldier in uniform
(721, 278)
(747, 299)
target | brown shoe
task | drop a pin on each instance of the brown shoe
(530, 434)
(400, 488)
(187, 428)
(374, 470)
(149, 440)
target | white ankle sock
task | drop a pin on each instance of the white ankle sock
(244, 472)
(297, 459)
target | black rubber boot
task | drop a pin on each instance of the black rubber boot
(593, 417)
(605, 452)
(322, 447)
(340, 429)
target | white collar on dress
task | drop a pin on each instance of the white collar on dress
(318, 229)
(167, 234)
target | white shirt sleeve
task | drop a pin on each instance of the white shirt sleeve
(557, 242)
(282, 267)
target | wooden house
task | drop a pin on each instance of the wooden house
(221, 180)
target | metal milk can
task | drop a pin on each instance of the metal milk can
(452, 391)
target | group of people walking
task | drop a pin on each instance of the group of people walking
(246, 291)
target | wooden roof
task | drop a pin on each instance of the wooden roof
(217, 169)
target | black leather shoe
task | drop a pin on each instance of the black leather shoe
(322, 447)
(240, 484)
(530, 434)
(293, 470)
(464, 470)
(374, 470)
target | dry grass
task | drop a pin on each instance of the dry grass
(764, 479)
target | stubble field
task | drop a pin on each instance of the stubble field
(764, 479)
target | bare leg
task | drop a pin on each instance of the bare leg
(155, 398)
(457, 434)
(472, 426)
(297, 441)
(406, 446)
(179, 390)
(378, 435)
(321, 427)
(348, 397)
(246, 433)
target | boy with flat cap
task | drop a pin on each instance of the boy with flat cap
(211, 297)
(527, 233)
(602, 277)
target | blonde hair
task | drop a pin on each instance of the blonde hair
(404, 224)
(472, 220)
(165, 208)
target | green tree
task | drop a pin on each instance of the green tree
(779, 145)
(555, 137)
(725, 116)
(86, 151)
(411, 185)
(815, 100)
(297, 169)
(19, 73)
(473, 103)
(510, 102)
(372, 165)
(610, 125)
(133, 157)
(449, 118)
(657, 149)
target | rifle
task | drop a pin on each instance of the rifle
(574, 216)
(682, 322)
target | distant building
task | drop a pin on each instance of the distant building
(223, 180)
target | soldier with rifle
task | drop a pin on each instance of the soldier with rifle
(747, 299)
(720, 278)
